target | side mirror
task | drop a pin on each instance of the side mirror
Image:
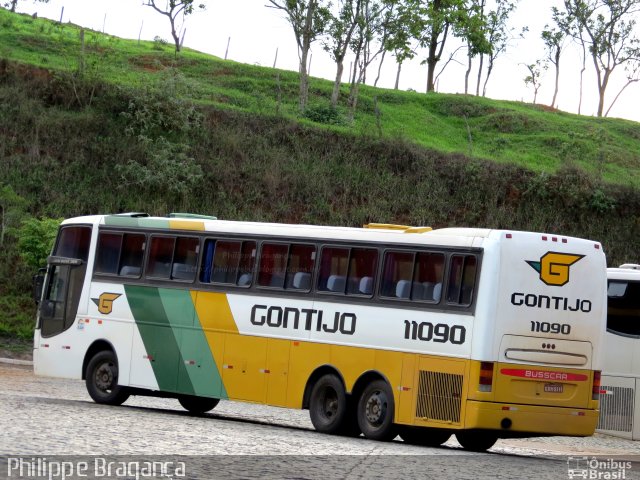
(37, 284)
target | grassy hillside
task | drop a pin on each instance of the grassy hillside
(128, 127)
(508, 132)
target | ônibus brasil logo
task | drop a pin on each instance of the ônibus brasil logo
(553, 267)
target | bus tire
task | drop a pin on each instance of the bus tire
(197, 405)
(328, 404)
(425, 437)
(476, 441)
(102, 379)
(375, 411)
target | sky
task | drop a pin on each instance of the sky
(253, 33)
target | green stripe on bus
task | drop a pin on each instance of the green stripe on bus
(159, 339)
(200, 365)
(143, 222)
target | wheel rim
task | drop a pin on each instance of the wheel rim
(376, 408)
(105, 376)
(329, 404)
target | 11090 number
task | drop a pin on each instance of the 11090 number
(546, 327)
(439, 333)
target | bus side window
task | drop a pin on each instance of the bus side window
(462, 275)
(300, 267)
(160, 256)
(229, 262)
(362, 265)
(348, 271)
(397, 274)
(334, 265)
(185, 259)
(132, 255)
(120, 254)
(74, 243)
(247, 264)
(623, 311)
(273, 265)
(108, 253)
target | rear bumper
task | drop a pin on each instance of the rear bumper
(530, 419)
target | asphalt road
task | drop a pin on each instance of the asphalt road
(54, 420)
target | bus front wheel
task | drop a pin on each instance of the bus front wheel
(328, 404)
(197, 405)
(476, 441)
(375, 411)
(102, 379)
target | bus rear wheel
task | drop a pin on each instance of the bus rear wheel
(197, 405)
(102, 379)
(375, 411)
(425, 437)
(476, 441)
(328, 404)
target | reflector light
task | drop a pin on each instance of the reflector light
(564, 240)
(508, 235)
(544, 238)
(596, 385)
(597, 246)
(485, 380)
(554, 239)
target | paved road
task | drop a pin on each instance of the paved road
(51, 417)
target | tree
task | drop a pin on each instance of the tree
(498, 35)
(473, 33)
(533, 79)
(173, 9)
(437, 19)
(339, 34)
(12, 4)
(308, 20)
(609, 30)
(554, 42)
(371, 27)
(403, 29)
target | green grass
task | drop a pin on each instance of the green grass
(526, 135)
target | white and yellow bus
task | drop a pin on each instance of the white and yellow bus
(620, 402)
(382, 330)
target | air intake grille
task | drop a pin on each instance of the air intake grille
(616, 409)
(439, 396)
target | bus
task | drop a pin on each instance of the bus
(620, 401)
(384, 330)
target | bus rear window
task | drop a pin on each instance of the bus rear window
(462, 279)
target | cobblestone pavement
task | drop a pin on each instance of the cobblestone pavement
(45, 416)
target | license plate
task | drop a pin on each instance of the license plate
(553, 387)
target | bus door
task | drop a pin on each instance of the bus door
(65, 278)
(60, 303)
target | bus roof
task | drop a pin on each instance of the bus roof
(460, 236)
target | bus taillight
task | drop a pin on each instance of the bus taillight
(595, 395)
(485, 381)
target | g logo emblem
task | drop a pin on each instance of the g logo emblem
(554, 267)
(105, 302)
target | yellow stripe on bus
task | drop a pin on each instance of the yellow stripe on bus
(186, 225)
